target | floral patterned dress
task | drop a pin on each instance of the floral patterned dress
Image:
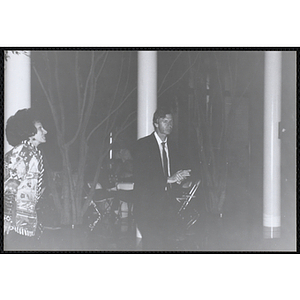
(23, 176)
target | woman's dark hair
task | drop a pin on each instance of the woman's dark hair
(20, 126)
(161, 112)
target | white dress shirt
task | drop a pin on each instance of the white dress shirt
(159, 141)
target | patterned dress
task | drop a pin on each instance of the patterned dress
(23, 175)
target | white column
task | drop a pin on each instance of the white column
(147, 91)
(147, 96)
(17, 85)
(272, 116)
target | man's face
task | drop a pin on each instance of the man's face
(164, 125)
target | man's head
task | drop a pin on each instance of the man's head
(163, 122)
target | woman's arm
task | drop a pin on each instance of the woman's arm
(10, 191)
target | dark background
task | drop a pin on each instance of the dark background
(244, 199)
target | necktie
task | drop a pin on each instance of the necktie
(165, 160)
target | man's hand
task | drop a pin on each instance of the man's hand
(179, 176)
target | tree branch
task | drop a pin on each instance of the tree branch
(100, 71)
(162, 83)
(59, 95)
(79, 128)
(109, 115)
(47, 97)
(180, 77)
(77, 84)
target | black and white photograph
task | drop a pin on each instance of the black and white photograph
(138, 150)
(149, 149)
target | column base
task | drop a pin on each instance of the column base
(271, 232)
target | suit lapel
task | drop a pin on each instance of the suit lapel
(157, 157)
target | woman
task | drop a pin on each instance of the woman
(23, 178)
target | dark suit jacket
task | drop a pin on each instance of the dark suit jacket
(149, 179)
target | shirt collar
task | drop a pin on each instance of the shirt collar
(158, 139)
(34, 148)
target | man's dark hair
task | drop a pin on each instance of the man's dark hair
(20, 126)
(161, 112)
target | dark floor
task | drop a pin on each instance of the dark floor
(228, 233)
(239, 228)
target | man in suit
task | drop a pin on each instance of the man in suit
(156, 170)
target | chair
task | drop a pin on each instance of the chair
(188, 215)
(101, 203)
(125, 196)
